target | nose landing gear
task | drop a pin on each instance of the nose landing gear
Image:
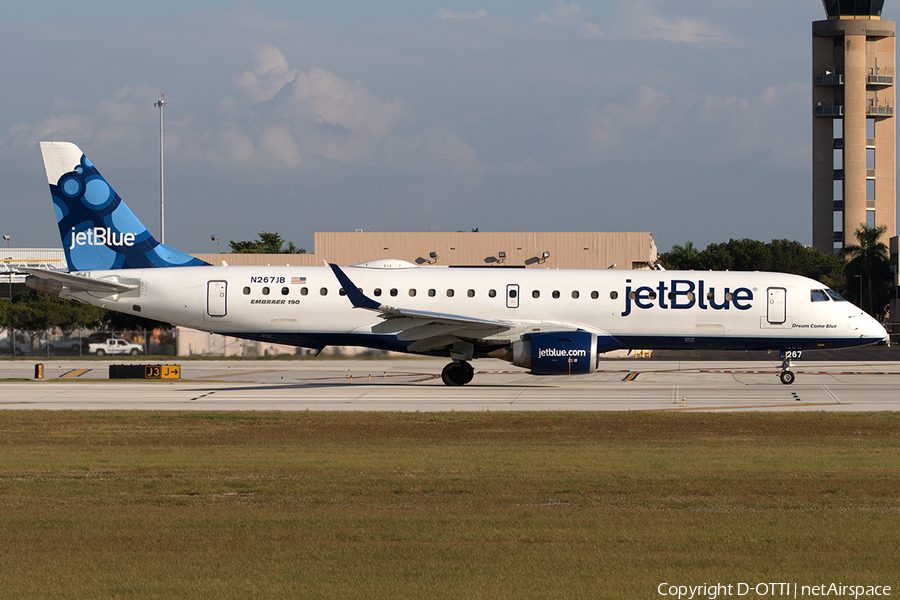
(457, 373)
(787, 376)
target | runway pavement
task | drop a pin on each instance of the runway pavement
(415, 385)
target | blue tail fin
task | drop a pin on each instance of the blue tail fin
(97, 229)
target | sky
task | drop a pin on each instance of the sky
(689, 119)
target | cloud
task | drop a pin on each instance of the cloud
(622, 129)
(119, 117)
(435, 149)
(270, 75)
(317, 113)
(446, 13)
(652, 125)
(638, 21)
(635, 20)
(759, 128)
(564, 14)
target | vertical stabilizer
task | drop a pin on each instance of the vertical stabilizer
(97, 229)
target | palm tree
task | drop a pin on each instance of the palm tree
(869, 258)
(681, 257)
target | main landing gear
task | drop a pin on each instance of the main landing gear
(457, 373)
(787, 376)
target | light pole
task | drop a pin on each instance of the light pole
(9, 266)
(216, 240)
(860, 289)
(162, 212)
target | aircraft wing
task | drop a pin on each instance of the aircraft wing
(425, 329)
(78, 283)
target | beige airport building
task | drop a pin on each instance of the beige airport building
(547, 250)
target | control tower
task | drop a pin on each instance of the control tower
(854, 147)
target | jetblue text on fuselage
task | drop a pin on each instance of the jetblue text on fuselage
(681, 294)
(101, 236)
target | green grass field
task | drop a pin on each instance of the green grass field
(449, 505)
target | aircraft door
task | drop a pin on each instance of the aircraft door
(216, 298)
(776, 306)
(512, 295)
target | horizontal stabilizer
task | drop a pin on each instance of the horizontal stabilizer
(79, 283)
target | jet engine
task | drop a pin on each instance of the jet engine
(561, 352)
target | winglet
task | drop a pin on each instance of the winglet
(357, 298)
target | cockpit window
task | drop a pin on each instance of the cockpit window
(818, 296)
(834, 295)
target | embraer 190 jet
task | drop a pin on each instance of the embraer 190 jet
(551, 321)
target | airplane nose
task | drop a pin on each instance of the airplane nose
(873, 329)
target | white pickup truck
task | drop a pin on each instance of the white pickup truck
(21, 344)
(115, 346)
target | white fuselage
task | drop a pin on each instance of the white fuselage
(304, 306)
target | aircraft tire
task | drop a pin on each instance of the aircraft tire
(454, 374)
(468, 372)
(787, 377)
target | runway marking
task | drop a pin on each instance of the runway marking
(236, 373)
(687, 408)
(202, 396)
(632, 376)
(75, 373)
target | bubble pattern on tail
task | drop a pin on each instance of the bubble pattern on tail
(100, 232)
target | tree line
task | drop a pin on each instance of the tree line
(35, 311)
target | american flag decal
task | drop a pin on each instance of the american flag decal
(296, 280)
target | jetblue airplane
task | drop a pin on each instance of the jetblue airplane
(553, 322)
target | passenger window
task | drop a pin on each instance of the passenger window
(265, 291)
(393, 291)
(431, 292)
(471, 293)
(575, 294)
(632, 295)
(691, 296)
(612, 295)
(376, 292)
(284, 291)
(555, 293)
(492, 293)
(536, 294)
(729, 296)
(450, 293)
(323, 291)
(652, 296)
(412, 293)
(710, 296)
(342, 292)
(246, 291)
(304, 291)
(818, 296)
